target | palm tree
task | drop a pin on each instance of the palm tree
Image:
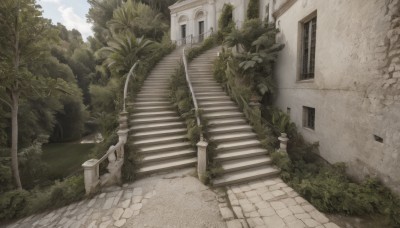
(124, 50)
(139, 19)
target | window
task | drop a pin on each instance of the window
(309, 117)
(308, 49)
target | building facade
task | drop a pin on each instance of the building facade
(338, 76)
(196, 19)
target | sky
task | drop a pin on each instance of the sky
(70, 13)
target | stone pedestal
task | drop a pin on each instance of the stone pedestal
(202, 160)
(91, 175)
(283, 139)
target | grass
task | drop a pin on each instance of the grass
(65, 159)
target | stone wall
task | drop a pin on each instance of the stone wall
(356, 89)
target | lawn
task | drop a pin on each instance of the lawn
(65, 158)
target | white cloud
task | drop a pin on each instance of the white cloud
(71, 20)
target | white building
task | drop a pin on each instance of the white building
(190, 19)
(338, 76)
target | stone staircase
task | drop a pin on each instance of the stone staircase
(157, 133)
(238, 148)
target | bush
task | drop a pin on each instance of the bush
(13, 204)
(17, 203)
(252, 9)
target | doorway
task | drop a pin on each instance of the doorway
(201, 31)
(183, 34)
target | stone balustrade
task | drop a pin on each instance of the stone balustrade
(115, 157)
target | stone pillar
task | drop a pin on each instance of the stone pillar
(212, 15)
(283, 139)
(123, 126)
(174, 27)
(271, 11)
(202, 160)
(91, 175)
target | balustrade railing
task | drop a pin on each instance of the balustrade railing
(202, 144)
(190, 40)
(114, 155)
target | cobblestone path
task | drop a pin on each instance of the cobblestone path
(179, 200)
(270, 204)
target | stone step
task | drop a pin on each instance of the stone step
(240, 154)
(154, 158)
(227, 122)
(213, 98)
(219, 108)
(245, 175)
(207, 89)
(181, 163)
(151, 103)
(222, 115)
(154, 114)
(216, 103)
(160, 94)
(158, 133)
(205, 83)
(155, 120)
(230, 129)
(163, 148)
(160, 140)
(227, 137)
(246, 163)
(156, 126)
(152, 99)
(227, 146)
(210, 93)
(153, 108)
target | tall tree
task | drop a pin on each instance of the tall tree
(25, 36)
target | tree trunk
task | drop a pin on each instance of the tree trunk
(14, 139)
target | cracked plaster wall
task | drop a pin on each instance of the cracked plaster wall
(356, 90)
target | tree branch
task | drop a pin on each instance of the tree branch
(6, 102)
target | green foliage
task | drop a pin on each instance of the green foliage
(17, 203)
(13, 204)
(252, 9)
(138, 19)
(207, 44)
(249, 70)
(225, 21)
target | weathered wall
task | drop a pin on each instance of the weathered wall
(356, 90)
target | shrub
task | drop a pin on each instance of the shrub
(13, 203)
(252, 9)
(225, 21)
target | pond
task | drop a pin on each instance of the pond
(65, 159)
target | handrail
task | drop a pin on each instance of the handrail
(127, 82)
(196, 107)
(193, 39)
(115, 154)
(112, 149)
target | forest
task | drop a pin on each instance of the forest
(57, 88)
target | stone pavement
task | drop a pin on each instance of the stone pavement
(271, 204)
(178, 199)
(168, 200)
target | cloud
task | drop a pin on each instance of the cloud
(71, 20)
